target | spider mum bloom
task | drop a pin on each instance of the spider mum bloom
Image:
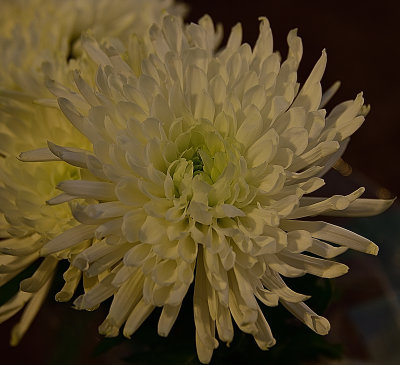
(38, 39)
(201, 165)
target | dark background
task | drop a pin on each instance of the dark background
(362, 42)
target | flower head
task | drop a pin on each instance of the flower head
(200, 168)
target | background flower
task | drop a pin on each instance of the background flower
(40, 40)
(217, 152)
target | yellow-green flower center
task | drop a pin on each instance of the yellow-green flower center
(197, 163)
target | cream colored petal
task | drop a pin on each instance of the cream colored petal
(167, 319)
(216, 275)
(123, 275)
(91, 254)
(166, 249)
(40, 154)
(102, 264)
(88, 189)
(21, 246)
(165, 273)
(294, 177)
(263, 149)
(14, 305)
(264, 44)
(276, 264)
(147, 233)
(250, 129)
(284, 157)
(125, 299)
(177, 293)
(62, 198)
(295, 138)
(200, 212)
(68, 238)
(298, 241)
(328, 94)
(314, 266)
(336, 202)
(136, 255)
(138, 315)
(274, 180)
(85, 89)
(235, 37)
(310, 95)
(302, 312)
(109, 229)
(133, 222)
(18, 263)
(6, 277)
(76, 118)
(201, 313)
(325, 250)
(331, 160)
(362, 208)
(74, 157)
(264, 245)
(72, 278)
(334, 234)
(273, 281)
(244, 316)
(314, 155)
(263, 337)
(93, 49)
(41, 276)
(29, 313)
(97, 294)
(204, 106)
(187, 249)
(267, 297)
(224, 324)
(204, 352)
(345, 112)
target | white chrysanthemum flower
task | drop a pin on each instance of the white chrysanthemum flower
(36, 31)
(27, 222)
(38, 38)
(201, 165)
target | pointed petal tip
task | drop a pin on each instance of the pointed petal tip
(28, 285)
(109, 328)
(321, 325)
(264, 20)
(78, 302)
(265, 346)
(15, 336)
(373, 249)
(336, 271)
(62, 297)
(81, 263)
(126, 334)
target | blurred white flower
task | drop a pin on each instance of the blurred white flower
(200, 167)
(40, 39)
(36, 31)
